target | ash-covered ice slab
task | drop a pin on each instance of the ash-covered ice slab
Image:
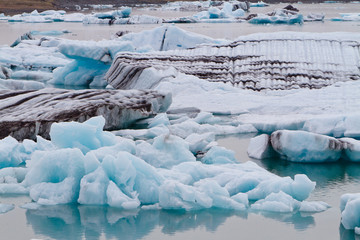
(25, 114)
(278, 61)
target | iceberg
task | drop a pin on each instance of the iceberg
(344, 17)
(30, 113)
(350, 210)
(301, 146)
(4, 208)
(247, 64)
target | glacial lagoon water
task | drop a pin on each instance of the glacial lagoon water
(101, 222)
(11, 31)
(95, 222)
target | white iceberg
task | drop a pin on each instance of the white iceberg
(350, 210)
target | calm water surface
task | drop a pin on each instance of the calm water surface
(94, 222)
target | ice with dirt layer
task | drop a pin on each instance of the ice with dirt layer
(301, 146)
(93, 59)
(103, 169)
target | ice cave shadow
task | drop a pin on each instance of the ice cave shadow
(92, 222)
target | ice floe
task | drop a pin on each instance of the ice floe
(4, 208)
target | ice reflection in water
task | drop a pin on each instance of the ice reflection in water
(91, 222)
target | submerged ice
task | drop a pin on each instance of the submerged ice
(103, 169)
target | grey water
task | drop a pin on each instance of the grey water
(101, 222)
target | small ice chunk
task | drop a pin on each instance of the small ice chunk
(200, 142)
(277, 202)
(4, 208)
(318, 206)
(31, 206)
(260, 147)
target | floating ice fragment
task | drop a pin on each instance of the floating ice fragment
(301, 146)
(318, 206)
(4, 208)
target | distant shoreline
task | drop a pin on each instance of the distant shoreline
(11, 7)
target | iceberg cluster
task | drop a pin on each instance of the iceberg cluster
(84, 164)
